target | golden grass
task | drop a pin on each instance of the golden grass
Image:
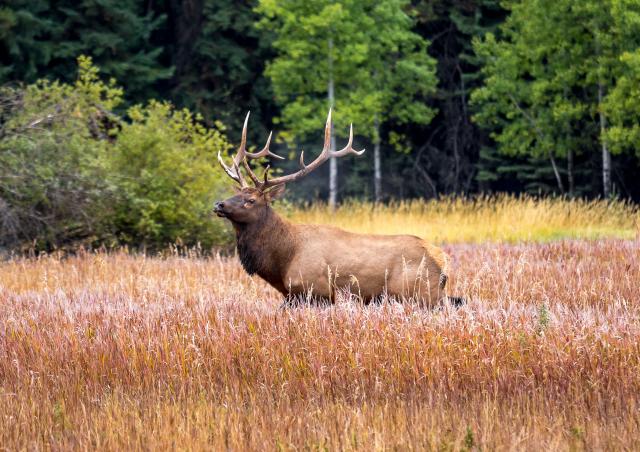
(501, 218)
(123, 352)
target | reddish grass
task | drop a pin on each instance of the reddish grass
(115, 351)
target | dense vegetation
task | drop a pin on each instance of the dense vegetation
(450, 97)
(73, 171)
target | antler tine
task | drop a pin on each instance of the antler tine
(326, 147)
(235, 173)
(265, 151)
(348, 149)
(242, 155)
(252, 175)
(266, 175)
(327, 134)
(243, 141)
(302, 165)
(243, 183)
(236, 176)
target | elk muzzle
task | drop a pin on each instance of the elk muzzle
(218, 209)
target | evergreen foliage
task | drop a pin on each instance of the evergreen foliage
(42, 38)
(220, 57)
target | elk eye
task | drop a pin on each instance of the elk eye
(251, 201)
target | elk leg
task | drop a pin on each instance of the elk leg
(312, 289)
(377, 299)
(457, 301)
(420, 285)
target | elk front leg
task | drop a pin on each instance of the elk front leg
(311, 287)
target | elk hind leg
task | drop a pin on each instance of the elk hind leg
(454, 301)
(429, 287)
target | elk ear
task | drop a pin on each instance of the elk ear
(275, 192)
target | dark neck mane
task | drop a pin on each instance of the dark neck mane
(266, 246)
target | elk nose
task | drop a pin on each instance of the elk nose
(218, 205)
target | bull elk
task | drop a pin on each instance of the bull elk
(311, 261)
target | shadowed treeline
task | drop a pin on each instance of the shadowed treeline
(450, 97)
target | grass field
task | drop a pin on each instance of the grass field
(497, 219)
(118, 351)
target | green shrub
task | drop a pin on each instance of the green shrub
(73, 171)
(53, 160)
(168, 177)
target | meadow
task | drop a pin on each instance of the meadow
(500, 218)
(123, 351)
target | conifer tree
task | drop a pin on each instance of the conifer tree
(44, 38)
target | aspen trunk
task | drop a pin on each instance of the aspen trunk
(556, 172)
(333, 164)
(377, 164)
(606, 155)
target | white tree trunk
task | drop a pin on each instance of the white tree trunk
(377, 164)
(606, 155)
(333, 164)
(572, 184)
(333, 175)
(556, 172)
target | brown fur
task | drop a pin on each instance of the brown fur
(301, 260)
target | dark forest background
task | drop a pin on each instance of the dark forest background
(210, 57)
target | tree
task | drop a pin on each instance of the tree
(623, 102)
(166, 177)
(401, 75)
(447, 151)
(46, 35)
(360, 56)
(54, 166)
(320, 47)
(220, 56)
(549, 74)
(623, 106)
(525, 93)
(25, 43)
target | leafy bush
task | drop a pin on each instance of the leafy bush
(53, 167)
(167, 177)
(73, 171)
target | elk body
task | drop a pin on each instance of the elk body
(313, 262)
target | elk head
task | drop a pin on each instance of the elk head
(250, 203)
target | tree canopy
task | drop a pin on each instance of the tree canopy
(449, 97)
(360, 58)
(549, 75)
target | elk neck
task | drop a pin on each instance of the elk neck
(266, 246)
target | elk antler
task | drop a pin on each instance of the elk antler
(325, 155)
(241, 154)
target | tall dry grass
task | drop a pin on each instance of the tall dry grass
(501, 218)
(121, 352)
